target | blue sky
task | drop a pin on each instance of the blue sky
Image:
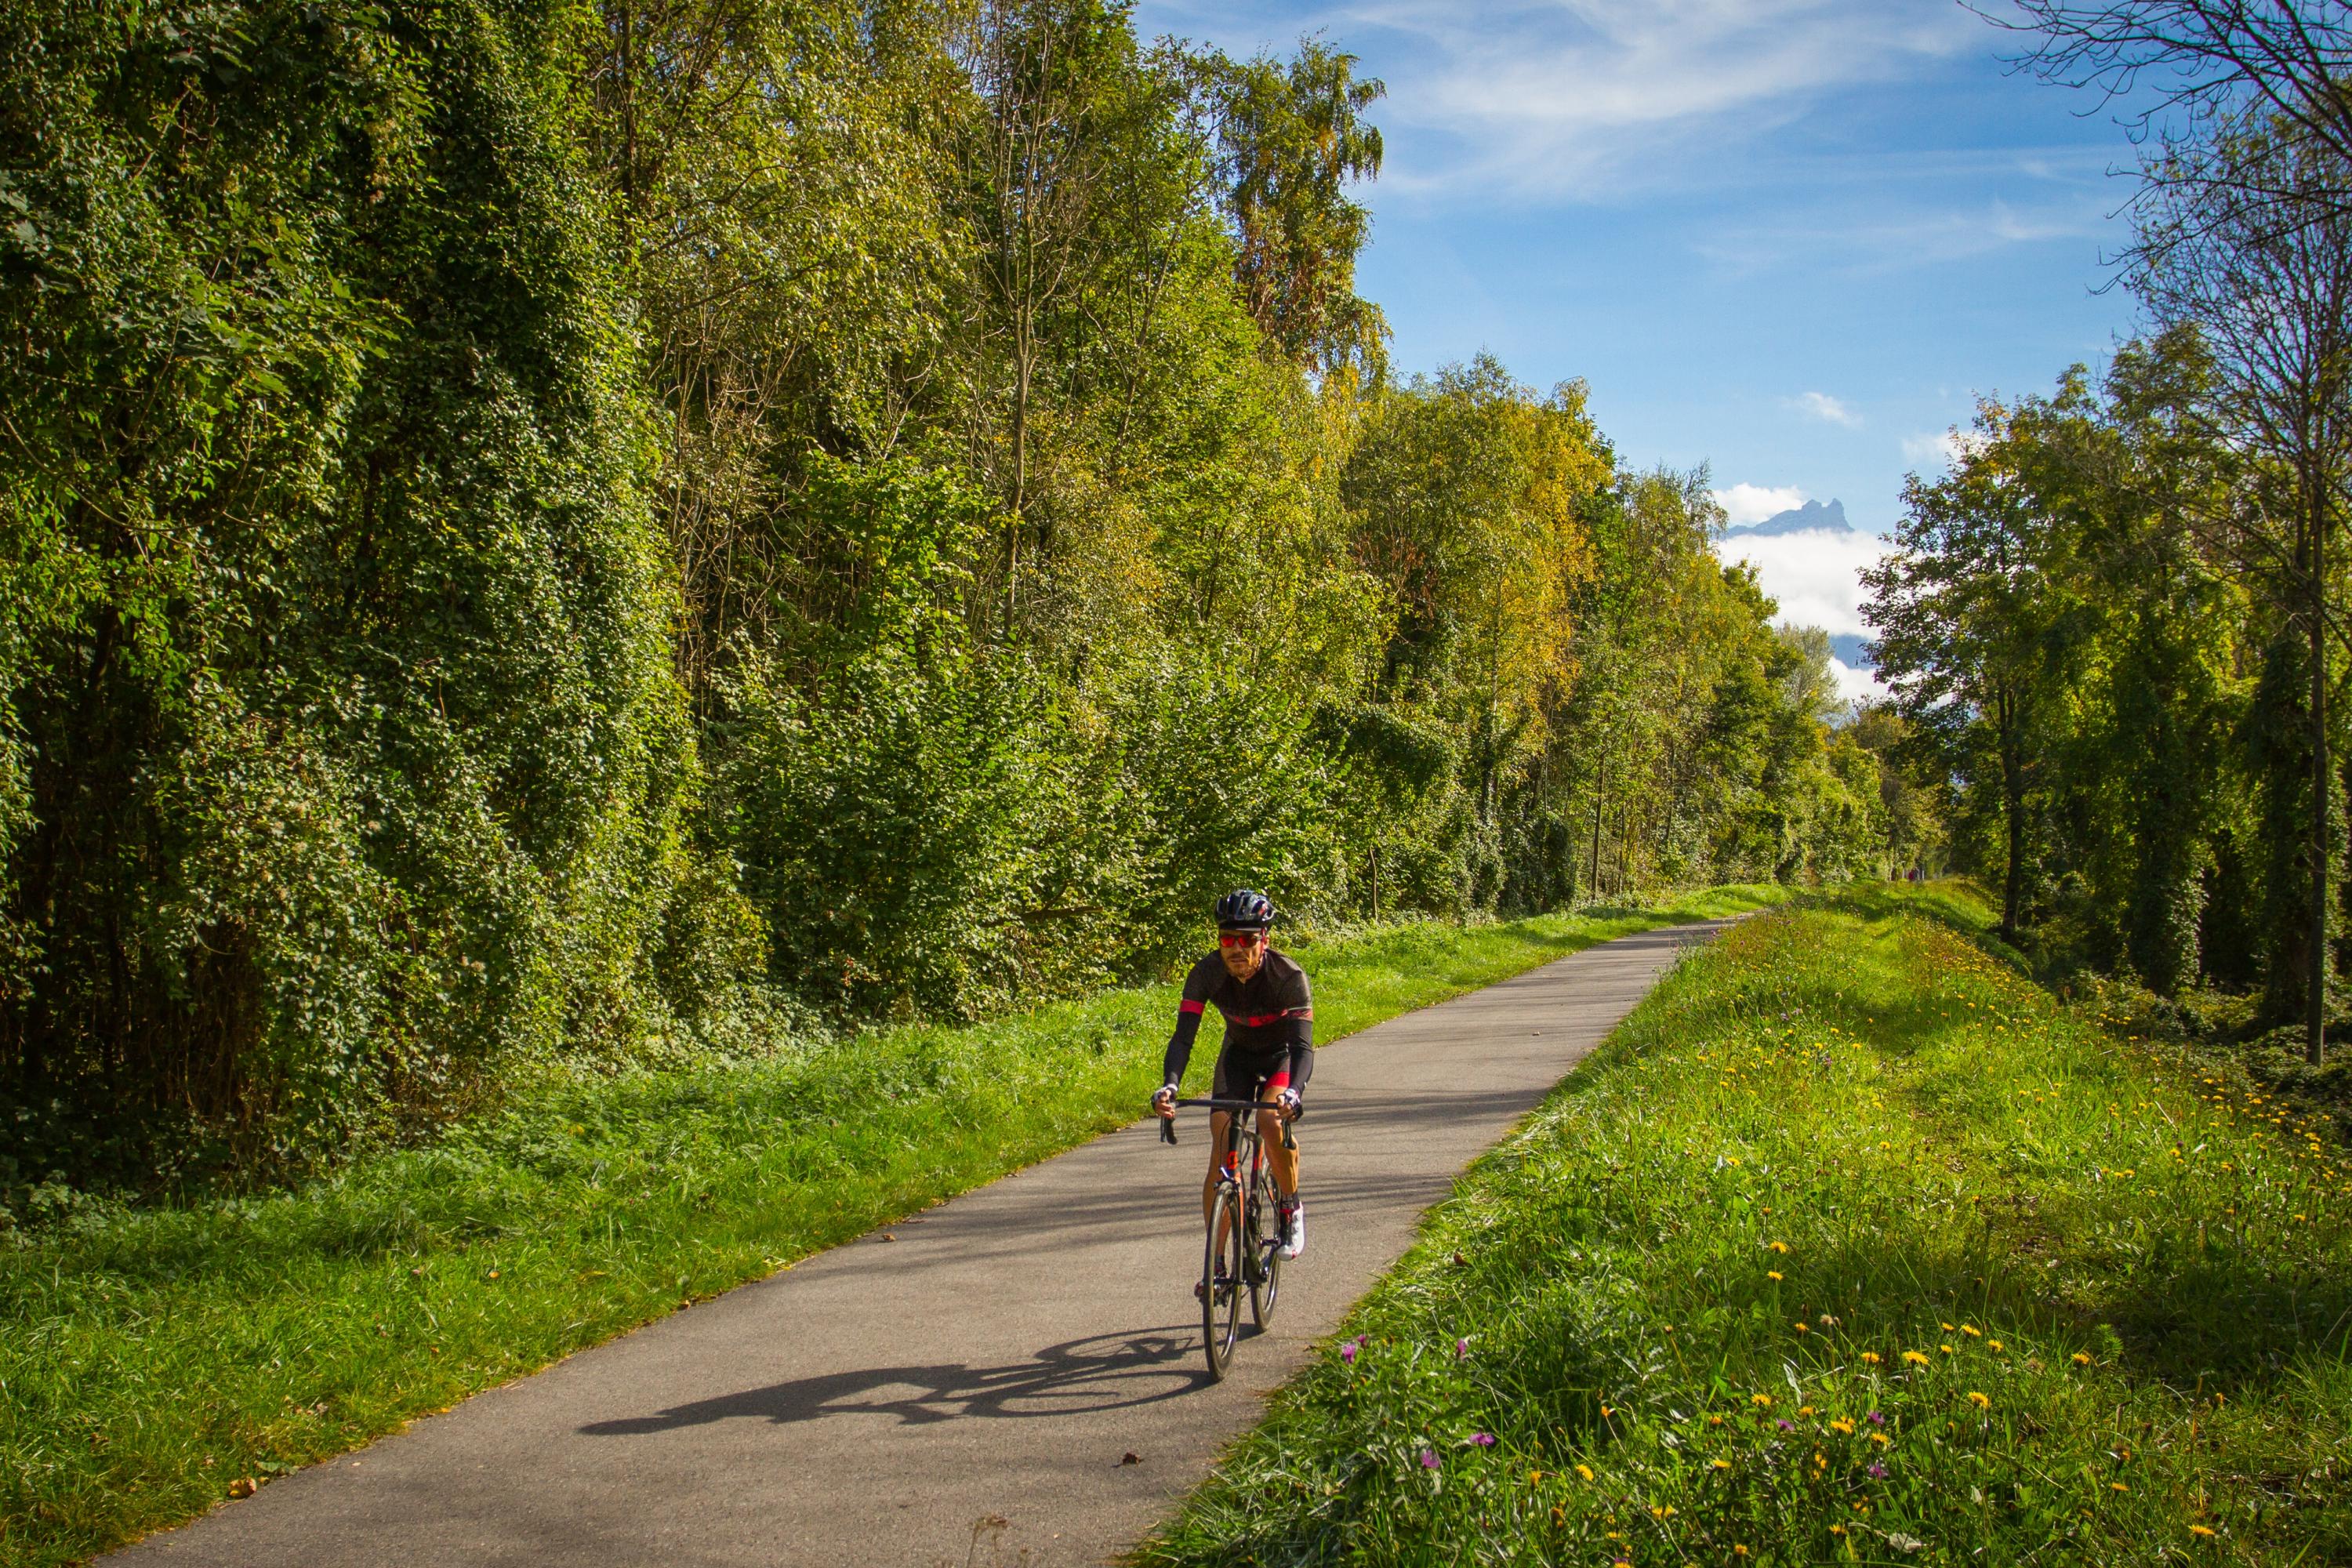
(1793, 239)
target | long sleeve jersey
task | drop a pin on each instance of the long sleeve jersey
(1270, 1015)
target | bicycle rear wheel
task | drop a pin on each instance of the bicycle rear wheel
(1265, 1251)
(1221, 1308)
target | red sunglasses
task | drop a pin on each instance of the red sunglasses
(1240, 938)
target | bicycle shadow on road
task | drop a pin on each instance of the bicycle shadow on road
(1102, 1372)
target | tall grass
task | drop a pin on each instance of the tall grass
(154, 1362)
(1851, 1247)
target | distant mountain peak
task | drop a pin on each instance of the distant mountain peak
(1813, 516)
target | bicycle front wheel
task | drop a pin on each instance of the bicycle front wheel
(1265, 1252)
(1221, 1299)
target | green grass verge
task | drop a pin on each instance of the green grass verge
(1850, 1246)
(150, 1360)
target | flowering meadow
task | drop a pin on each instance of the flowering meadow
(1852, 1245)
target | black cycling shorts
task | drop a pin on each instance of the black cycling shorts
(1241, 1075)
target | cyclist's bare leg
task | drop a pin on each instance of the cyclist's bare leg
(1282, 1162)
(1218, 1122)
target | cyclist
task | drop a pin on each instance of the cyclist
(1269, 1046)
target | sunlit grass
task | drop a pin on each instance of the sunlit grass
(150, 1360)
(1851, 1247)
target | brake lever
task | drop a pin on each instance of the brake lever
(1168, 1130)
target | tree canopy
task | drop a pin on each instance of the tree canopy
(616, 532)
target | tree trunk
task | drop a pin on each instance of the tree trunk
(2314, 1028)
(1592, 878)
(2013, 792)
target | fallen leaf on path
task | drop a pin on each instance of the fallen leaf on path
(1130, 1457)
(244, 1486)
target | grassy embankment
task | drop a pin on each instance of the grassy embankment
(151, 1363)
(1850, 1245)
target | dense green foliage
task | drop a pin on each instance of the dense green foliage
(2119, 715)
(628, 533)
(2116, 628)
(157, 1356)
(1850, 1245)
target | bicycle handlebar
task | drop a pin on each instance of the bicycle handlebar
(1168, 1125)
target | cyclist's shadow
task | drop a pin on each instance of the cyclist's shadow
(1103, 1371)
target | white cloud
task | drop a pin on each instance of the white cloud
(1574, 97)
(1897, 231)
(1754, 503)
(1855, 685)
(1816, 576)
(1822, 406)
(1944, 449)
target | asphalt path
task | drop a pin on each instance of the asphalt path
(1011, 1377)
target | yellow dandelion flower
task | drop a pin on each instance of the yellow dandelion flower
(1584, 1470)
(2081, 1359)
(1762, 1399)
(1779, 1246)
(1772, 1274)
(1974, 1333)
(1870, 1358)
(1979, 1400)
(1880, 1439)
(1916, 1358)
(1842, 1426)
(1945, 1327)
(1723, 1464)
(1993, 1344)
(2117, 1486)
(1802, 1329)
(1946, 1349)
(2198, 1529)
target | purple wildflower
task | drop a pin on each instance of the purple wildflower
(1461, 1350)
(1429, 1459)
(1785, 1425)
(1877, 1471)
(1877, 1419)
(1482, 1440)
(1348, 1353)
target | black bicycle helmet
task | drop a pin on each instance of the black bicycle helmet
(1245, 909)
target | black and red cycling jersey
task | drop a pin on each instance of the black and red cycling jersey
(1269, 1021)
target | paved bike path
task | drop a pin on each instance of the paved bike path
(968, 1393)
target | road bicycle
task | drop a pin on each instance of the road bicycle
(1244, 1246)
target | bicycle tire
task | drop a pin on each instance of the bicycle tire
(1265, 1251)
(1221, 1313)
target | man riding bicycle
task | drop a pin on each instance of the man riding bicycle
(1269, 1046)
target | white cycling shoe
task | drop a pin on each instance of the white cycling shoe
(1294, 1232)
